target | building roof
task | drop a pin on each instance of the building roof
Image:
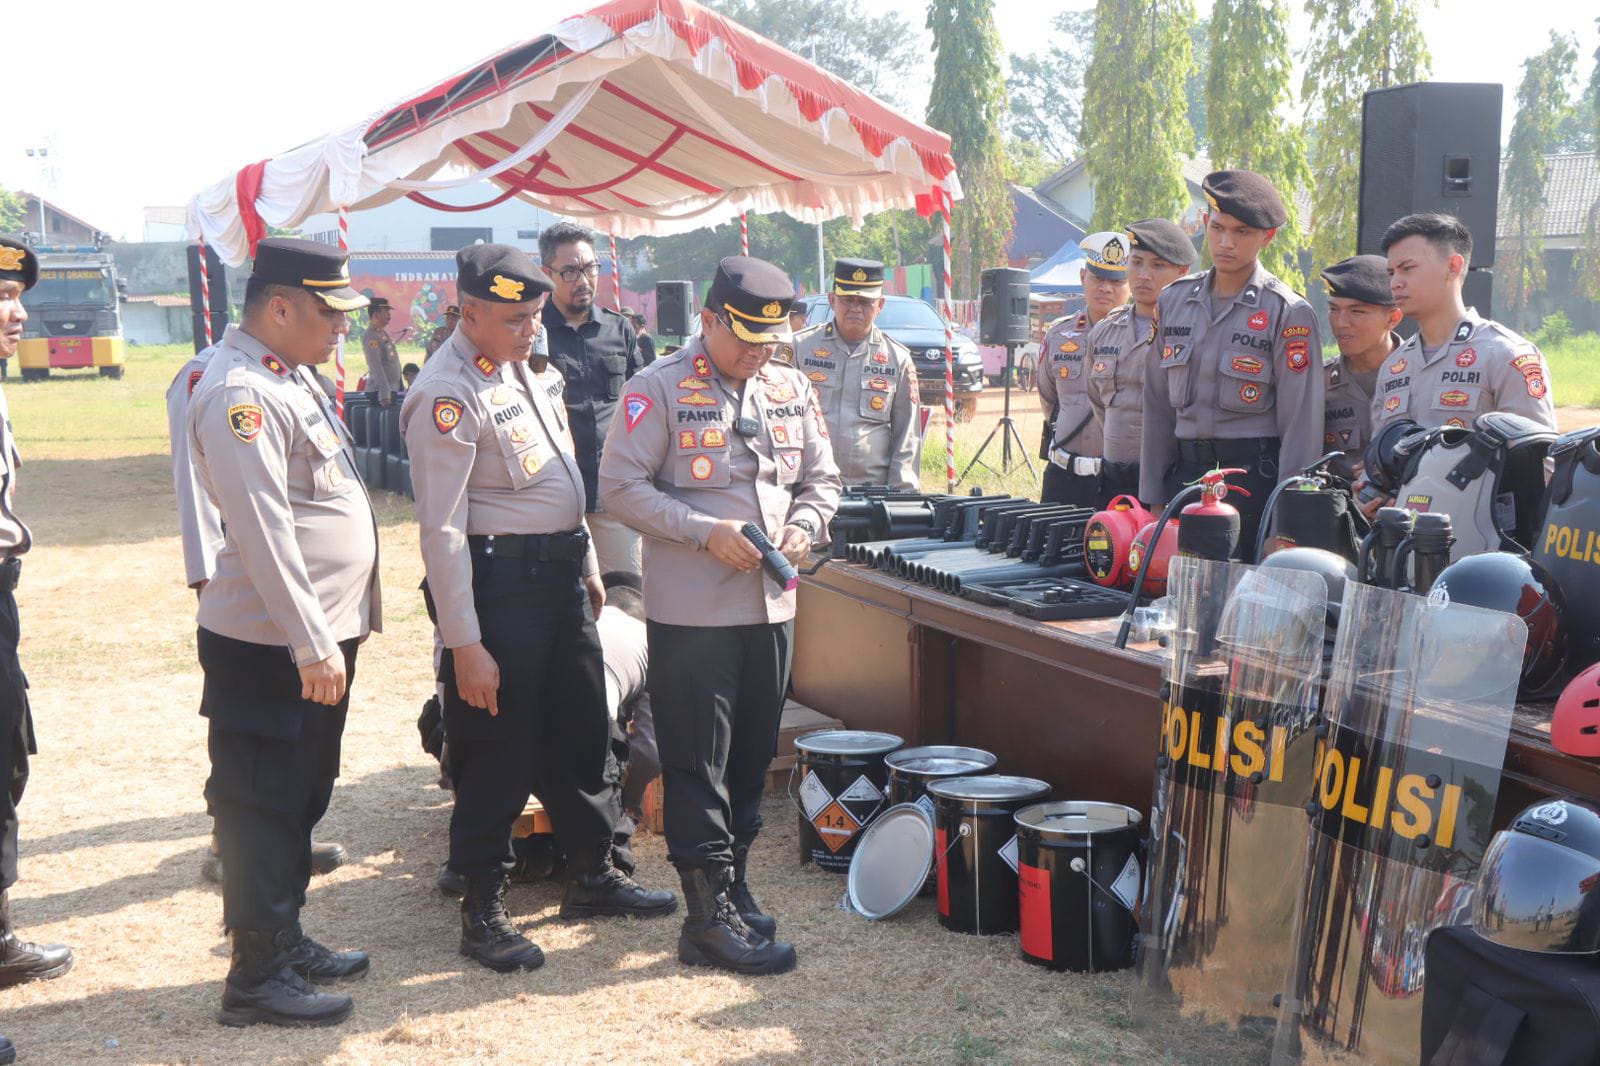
(1039, 227)
(33, 199)
(1571, 189)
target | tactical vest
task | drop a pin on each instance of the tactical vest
(1489, 479)
(1568, 543)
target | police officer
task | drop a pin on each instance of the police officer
(1362, 316)
(441, 332)
(1073, 444)
(714, 437)
(383, 359)
(1234, 379)
(1458, 365)
(865, 381)
(19, 960)
(1118, 346)
(514, 587)
(200, 527)
(294, 592)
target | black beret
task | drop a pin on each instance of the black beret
(1163, 238)
(499, 273)
(18, 263)
(1361, 277)
(320, 269)
(858, 277)
(1245, 195)
(756, 296)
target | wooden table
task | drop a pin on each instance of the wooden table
(1054, 700)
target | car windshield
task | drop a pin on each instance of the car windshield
(898, 313)
(71, 288)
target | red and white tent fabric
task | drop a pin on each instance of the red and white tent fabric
(637, 117)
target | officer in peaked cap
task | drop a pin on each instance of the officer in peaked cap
(1362, 316)
(293, 594)
(1159, 252)
(514, 587)
(714, 437)
(383, 359)
(1072, 444)
(866, 382)
(1233, 379)
(19, 960)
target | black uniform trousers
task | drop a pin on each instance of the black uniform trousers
(1117, 479)
(1066, 487)
(552, 737)
(16, 738)
(717, 693)
(1258, 457)
(274, 759)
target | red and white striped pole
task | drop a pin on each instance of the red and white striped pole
(949, 352)
(338, 350)
(744, 234)
(205, 294)
(616, 276)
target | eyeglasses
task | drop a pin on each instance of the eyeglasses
(573, 273)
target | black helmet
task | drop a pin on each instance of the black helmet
(1501, 581)
(1334, 568)
(1383, 463)
(1539, 885)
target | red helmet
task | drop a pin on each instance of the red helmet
(1575, 729)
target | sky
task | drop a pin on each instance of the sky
(150, 105)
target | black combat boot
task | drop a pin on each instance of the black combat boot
(714, 934)
(745, 901)
(21, 961)
(262, 988)
(8, 1052)
(487, 935)
(606, 891)
(317, 964)
(325, 858)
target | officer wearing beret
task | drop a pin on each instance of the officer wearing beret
(294, 593)
(514, 588)
(383, 359)
(1073, 443)
(1118, 346)
(1362, 315)
(1457, 365)
(865, 381)
(714, 437)
(1234, 379)
(19, 960)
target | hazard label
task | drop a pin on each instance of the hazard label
(1008, 852)
(925, 803)
(835, 825)
(862, 799)
(813, 795)
(1126, 886)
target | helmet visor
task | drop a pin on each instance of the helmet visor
(1535, 895)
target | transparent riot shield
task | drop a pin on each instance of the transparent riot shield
(1418, 711)
(1233, 775)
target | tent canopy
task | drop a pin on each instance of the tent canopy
(1059, 273)
(638, 117)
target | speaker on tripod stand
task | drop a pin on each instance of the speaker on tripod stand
(1003, 319)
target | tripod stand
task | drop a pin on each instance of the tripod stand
(1007, 430)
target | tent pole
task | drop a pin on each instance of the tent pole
(205, 292)
(949, 353)
(338, 349)
(616, 276)
(744, 234)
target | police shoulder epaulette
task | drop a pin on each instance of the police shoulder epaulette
(1512, 337)
(808, 331)
(896, 346)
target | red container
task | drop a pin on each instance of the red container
(1108, 541)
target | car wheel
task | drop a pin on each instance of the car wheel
(113, 372)
(35, 373)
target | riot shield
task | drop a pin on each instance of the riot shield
(1233, 773)
(1418, 712)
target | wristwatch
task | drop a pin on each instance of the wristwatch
(805, 524)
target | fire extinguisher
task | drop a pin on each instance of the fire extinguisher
(1109, 538)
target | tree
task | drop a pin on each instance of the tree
(1194, 86)
(1136, 129)
(1246, 87)
(968, 101)
(1045, 89)
(11, 212)
(1356, 46)
(1586, 264)
(1542, 101)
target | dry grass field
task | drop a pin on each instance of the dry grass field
(114, 829)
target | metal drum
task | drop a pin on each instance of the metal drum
(1078, 877)
(911, 770)
(843, 785)
(976, 849)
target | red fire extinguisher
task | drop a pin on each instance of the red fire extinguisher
(1209, 528)
(1155, 575)
(1109, 538)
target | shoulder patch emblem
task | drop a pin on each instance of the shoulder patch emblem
(274, 364)
(447, 413)
(485, 365)
(635, 406)
(1290, 332)
(1536, 386)
(1299, 355)
(246, 419)
(194, 379)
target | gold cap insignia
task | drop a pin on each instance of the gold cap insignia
(859, 275)
(1212, 200)
(1112, 252)
(12, 258)
(773, 309)
(506, 289)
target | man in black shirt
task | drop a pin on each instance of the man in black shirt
(641, 334)
(595, 350)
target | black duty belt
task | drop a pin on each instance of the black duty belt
(568, 547)
(1243, 451)
(1119, 471)
(10, 573)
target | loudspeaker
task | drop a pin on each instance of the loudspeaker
(217, 278)
(675, 308)
(1003, 306)
(1430, 146)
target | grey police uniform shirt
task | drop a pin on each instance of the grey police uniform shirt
(383, 363)
(1347, 406)
(626, 652)
(14, 536)
(1117, 348)
(199, 522)
(1483, 367)
(1062, 384)
(674, 464)
(868, 396)
(299, 559)
(491, 455)
(1251, 369)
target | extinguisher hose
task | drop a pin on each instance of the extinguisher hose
(1185, 494)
